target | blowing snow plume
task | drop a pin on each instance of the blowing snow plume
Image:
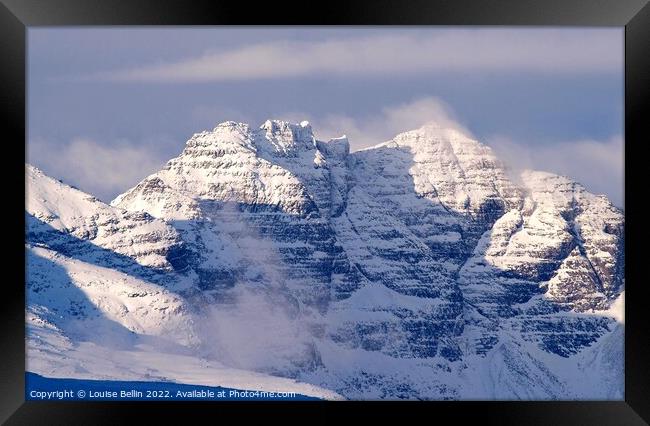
(260, 326)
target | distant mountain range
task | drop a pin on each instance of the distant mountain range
(262, 258)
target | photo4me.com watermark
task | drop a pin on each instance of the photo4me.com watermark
(196, 394)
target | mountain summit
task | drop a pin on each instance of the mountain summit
(413, 269)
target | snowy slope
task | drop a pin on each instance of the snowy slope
(415, 269)
(94, 314)
(56, 212)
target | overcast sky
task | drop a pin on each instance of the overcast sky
(108, 106)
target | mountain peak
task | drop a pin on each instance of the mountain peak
(420, 250)
(285, 137)
(434, 133)
(276, 137)
(229, 127)
(281, 124)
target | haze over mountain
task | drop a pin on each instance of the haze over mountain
(109, 106)
(419, 268)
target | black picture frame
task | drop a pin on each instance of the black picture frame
(634, 15)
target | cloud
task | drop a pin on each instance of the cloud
(370, 130)
(597, 165)
(404, 53)
(104, 170)
(204, 115)
(107, 170)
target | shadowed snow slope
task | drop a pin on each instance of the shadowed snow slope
(415, 269)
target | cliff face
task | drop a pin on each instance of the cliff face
(420, 253)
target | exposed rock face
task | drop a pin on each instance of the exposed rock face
(263, 195)
(418, 250)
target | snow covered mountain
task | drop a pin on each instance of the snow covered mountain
(419, 268)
